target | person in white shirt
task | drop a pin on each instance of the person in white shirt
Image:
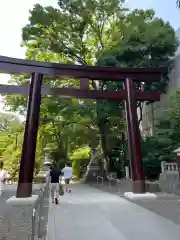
(67, 173)
(3, 176)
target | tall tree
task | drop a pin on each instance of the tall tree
(77, 29)
(11, 131)
(95, 32)
(161, 147)
(146, 42)
(75, 32)
(178, 3)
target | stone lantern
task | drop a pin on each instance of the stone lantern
(47, 159)
(47, 162)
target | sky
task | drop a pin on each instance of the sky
(14, 15)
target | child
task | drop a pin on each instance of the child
(3, 176)
(67, 173)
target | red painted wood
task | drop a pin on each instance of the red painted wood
(13, 65)
(84, 83)
(81, 93)
(113, 95)
(134, 140)
(13, 89)
(27, 163)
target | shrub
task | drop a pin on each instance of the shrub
(80, 159)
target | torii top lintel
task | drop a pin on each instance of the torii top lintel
(14, 65)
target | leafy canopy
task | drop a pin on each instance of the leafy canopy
(77, 29)
(89, 32)
(161, 147)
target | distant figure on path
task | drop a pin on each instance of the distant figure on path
(67, 173)
(55, 175)
(3, 176)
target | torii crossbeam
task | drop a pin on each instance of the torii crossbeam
(84, 74)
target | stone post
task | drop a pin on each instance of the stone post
(127, 172)
(163, 167)
(21, 218)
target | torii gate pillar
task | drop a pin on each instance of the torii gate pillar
(27, 163)
(134, 144)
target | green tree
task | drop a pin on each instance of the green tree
(66, 128)
(77, 29)
(161, 147)
(11, 132)
(178, 3)
(73, 36)
(80, 159)
(9, 123)
(10, 126)
(147, 41)
(102, 33)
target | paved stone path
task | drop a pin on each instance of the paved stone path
(165, 205)
(90, 214)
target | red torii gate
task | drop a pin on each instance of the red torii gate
(84, 74)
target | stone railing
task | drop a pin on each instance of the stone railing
(40, 215)
(169, 167)
(169, 180)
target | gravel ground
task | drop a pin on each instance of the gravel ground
(9, 192)
(165, 205)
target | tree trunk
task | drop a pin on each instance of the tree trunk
(104, 146)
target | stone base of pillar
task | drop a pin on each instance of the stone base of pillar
(139, 196)
(22, 218)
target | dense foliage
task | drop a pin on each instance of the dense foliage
(80, 159)
(94, 32)
(11, 130)
(161, 147)
(178, 3)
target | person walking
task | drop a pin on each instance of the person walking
(3, 176)
(55, 175)
(67, 173)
